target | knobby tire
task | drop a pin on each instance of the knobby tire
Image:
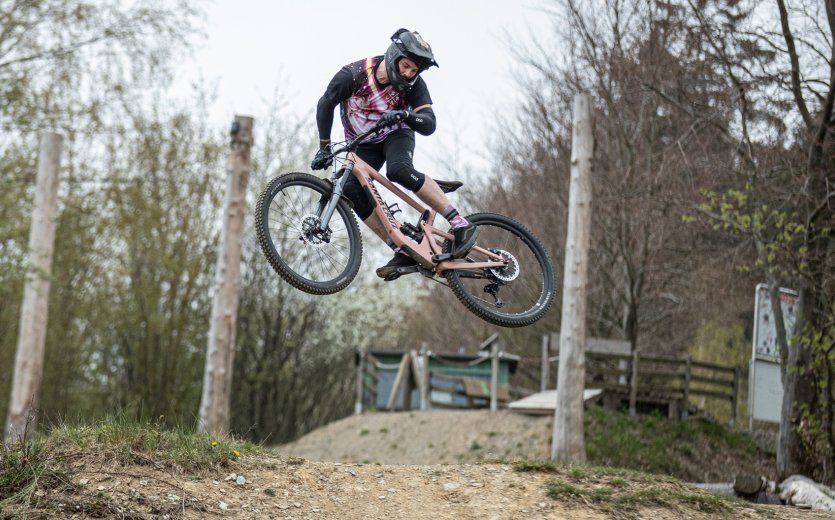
(284, 206)
(530, 298)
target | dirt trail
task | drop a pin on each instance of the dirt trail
(346, 478)
(295, 489)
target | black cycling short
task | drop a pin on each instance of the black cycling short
(396, 152)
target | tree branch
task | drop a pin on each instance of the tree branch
(795, 64)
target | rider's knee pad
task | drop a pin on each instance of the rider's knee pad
(362, 206)
(405, 175)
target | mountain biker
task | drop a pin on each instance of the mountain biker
(388, 89)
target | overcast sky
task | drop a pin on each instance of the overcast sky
(254, 44)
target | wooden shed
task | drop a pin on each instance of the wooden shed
(453, 380)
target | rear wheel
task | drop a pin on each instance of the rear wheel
(516, 295)
(287, 223)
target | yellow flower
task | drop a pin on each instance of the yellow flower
(236, 453)
(214, 443)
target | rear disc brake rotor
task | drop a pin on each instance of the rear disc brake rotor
(509, 272)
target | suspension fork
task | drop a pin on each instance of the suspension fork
(326, 210)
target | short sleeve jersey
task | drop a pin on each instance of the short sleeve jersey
(369, 99)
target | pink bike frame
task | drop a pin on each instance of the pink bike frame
(429, 245)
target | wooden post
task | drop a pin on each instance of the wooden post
(494, 375)
(215, 402)
(543, 378)
(360, 383)
(735, 398)
(31, 338)
(688, 366)
(568, 443)
(402, 372)
(425, 400)
(633, 386)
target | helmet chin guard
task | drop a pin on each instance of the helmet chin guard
(407, 44)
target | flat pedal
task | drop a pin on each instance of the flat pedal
(400, 271)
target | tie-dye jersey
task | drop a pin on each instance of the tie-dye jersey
(369, 100)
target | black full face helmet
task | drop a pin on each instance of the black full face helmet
(407, 44)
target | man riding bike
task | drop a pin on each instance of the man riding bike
(388, 90)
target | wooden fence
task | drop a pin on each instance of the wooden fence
(663, 380)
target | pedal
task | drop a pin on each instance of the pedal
(400, 271)
(441, 257)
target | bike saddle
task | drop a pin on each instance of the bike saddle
(449, 186)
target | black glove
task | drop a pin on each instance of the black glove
(322, 159)
(393, 117)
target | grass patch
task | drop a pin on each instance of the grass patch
(617, 489)
(618, 498)
(36, 475)
(558, 489)
(655, 444)
(130, 442)
(27, 467)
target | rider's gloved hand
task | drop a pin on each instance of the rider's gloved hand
(393, 117)
(322, 159)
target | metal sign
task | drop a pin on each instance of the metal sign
(765, 331)
(765, 386)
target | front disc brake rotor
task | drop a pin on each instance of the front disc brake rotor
(311, 235)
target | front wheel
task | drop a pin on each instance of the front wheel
(287, 223)
(515, 296)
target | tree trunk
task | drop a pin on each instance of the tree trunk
(568, 439)
(22, 416)
(220, 354)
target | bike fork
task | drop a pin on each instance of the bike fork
(326, 210)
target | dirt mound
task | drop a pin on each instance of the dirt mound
(428, 437)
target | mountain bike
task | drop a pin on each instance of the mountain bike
(310, 236)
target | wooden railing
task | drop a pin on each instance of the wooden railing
(662, 379)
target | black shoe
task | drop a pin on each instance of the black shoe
(396, 267)
(463, 240)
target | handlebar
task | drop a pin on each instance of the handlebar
(352, 146)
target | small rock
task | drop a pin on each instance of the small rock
(282, 506)
(84, 481)
(451, 486)
(241, 480)
(337, 463)
(297, 504)
(224, 506)
(382, 497)
(173, 498)
(390, 490)
(353, 473)
(101, 488)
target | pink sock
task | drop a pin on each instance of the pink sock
(458, 222)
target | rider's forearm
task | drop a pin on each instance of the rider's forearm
(422, 122)
(324, 119)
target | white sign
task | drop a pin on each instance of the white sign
(765, 386)
(765, 331)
